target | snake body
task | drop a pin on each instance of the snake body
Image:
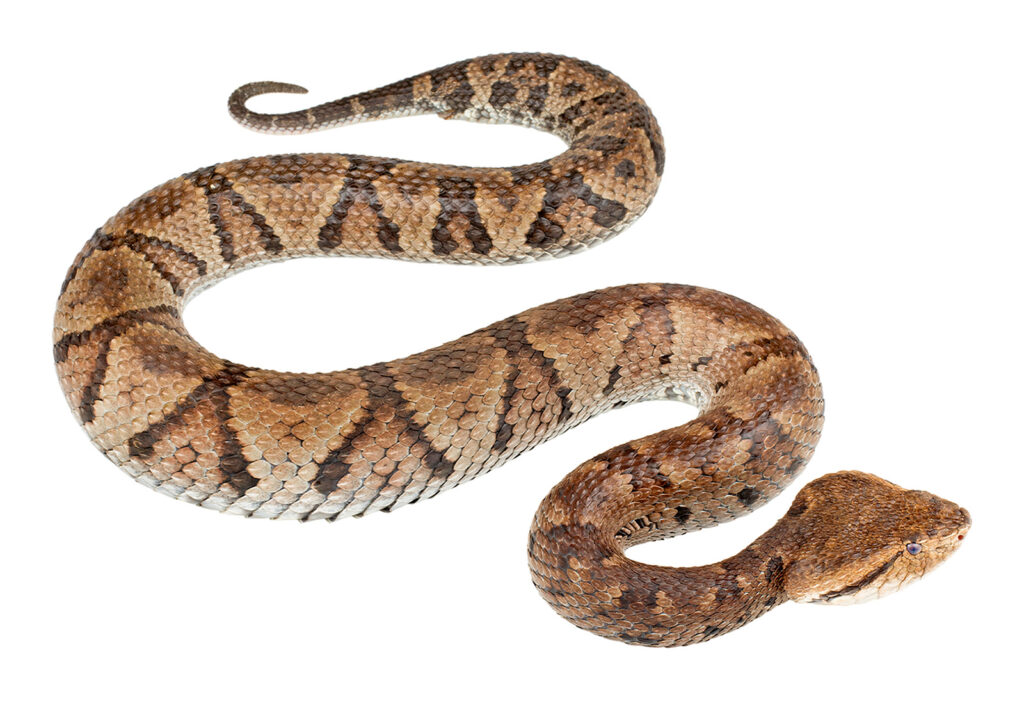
(325, 445)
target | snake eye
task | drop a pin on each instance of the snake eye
(914, 548)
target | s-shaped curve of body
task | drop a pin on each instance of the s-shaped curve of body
(325, 445)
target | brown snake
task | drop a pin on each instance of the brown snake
(310, 446)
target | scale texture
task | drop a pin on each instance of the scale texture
(320, 446)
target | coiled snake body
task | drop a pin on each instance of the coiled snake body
(313, 446)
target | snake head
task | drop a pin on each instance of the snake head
(859, 537)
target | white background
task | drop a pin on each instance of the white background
(854, 168)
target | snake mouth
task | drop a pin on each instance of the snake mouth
(853, 589)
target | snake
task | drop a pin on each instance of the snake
(308, 446)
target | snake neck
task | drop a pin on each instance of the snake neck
(666, 606)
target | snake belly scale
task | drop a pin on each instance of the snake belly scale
(326, 445)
